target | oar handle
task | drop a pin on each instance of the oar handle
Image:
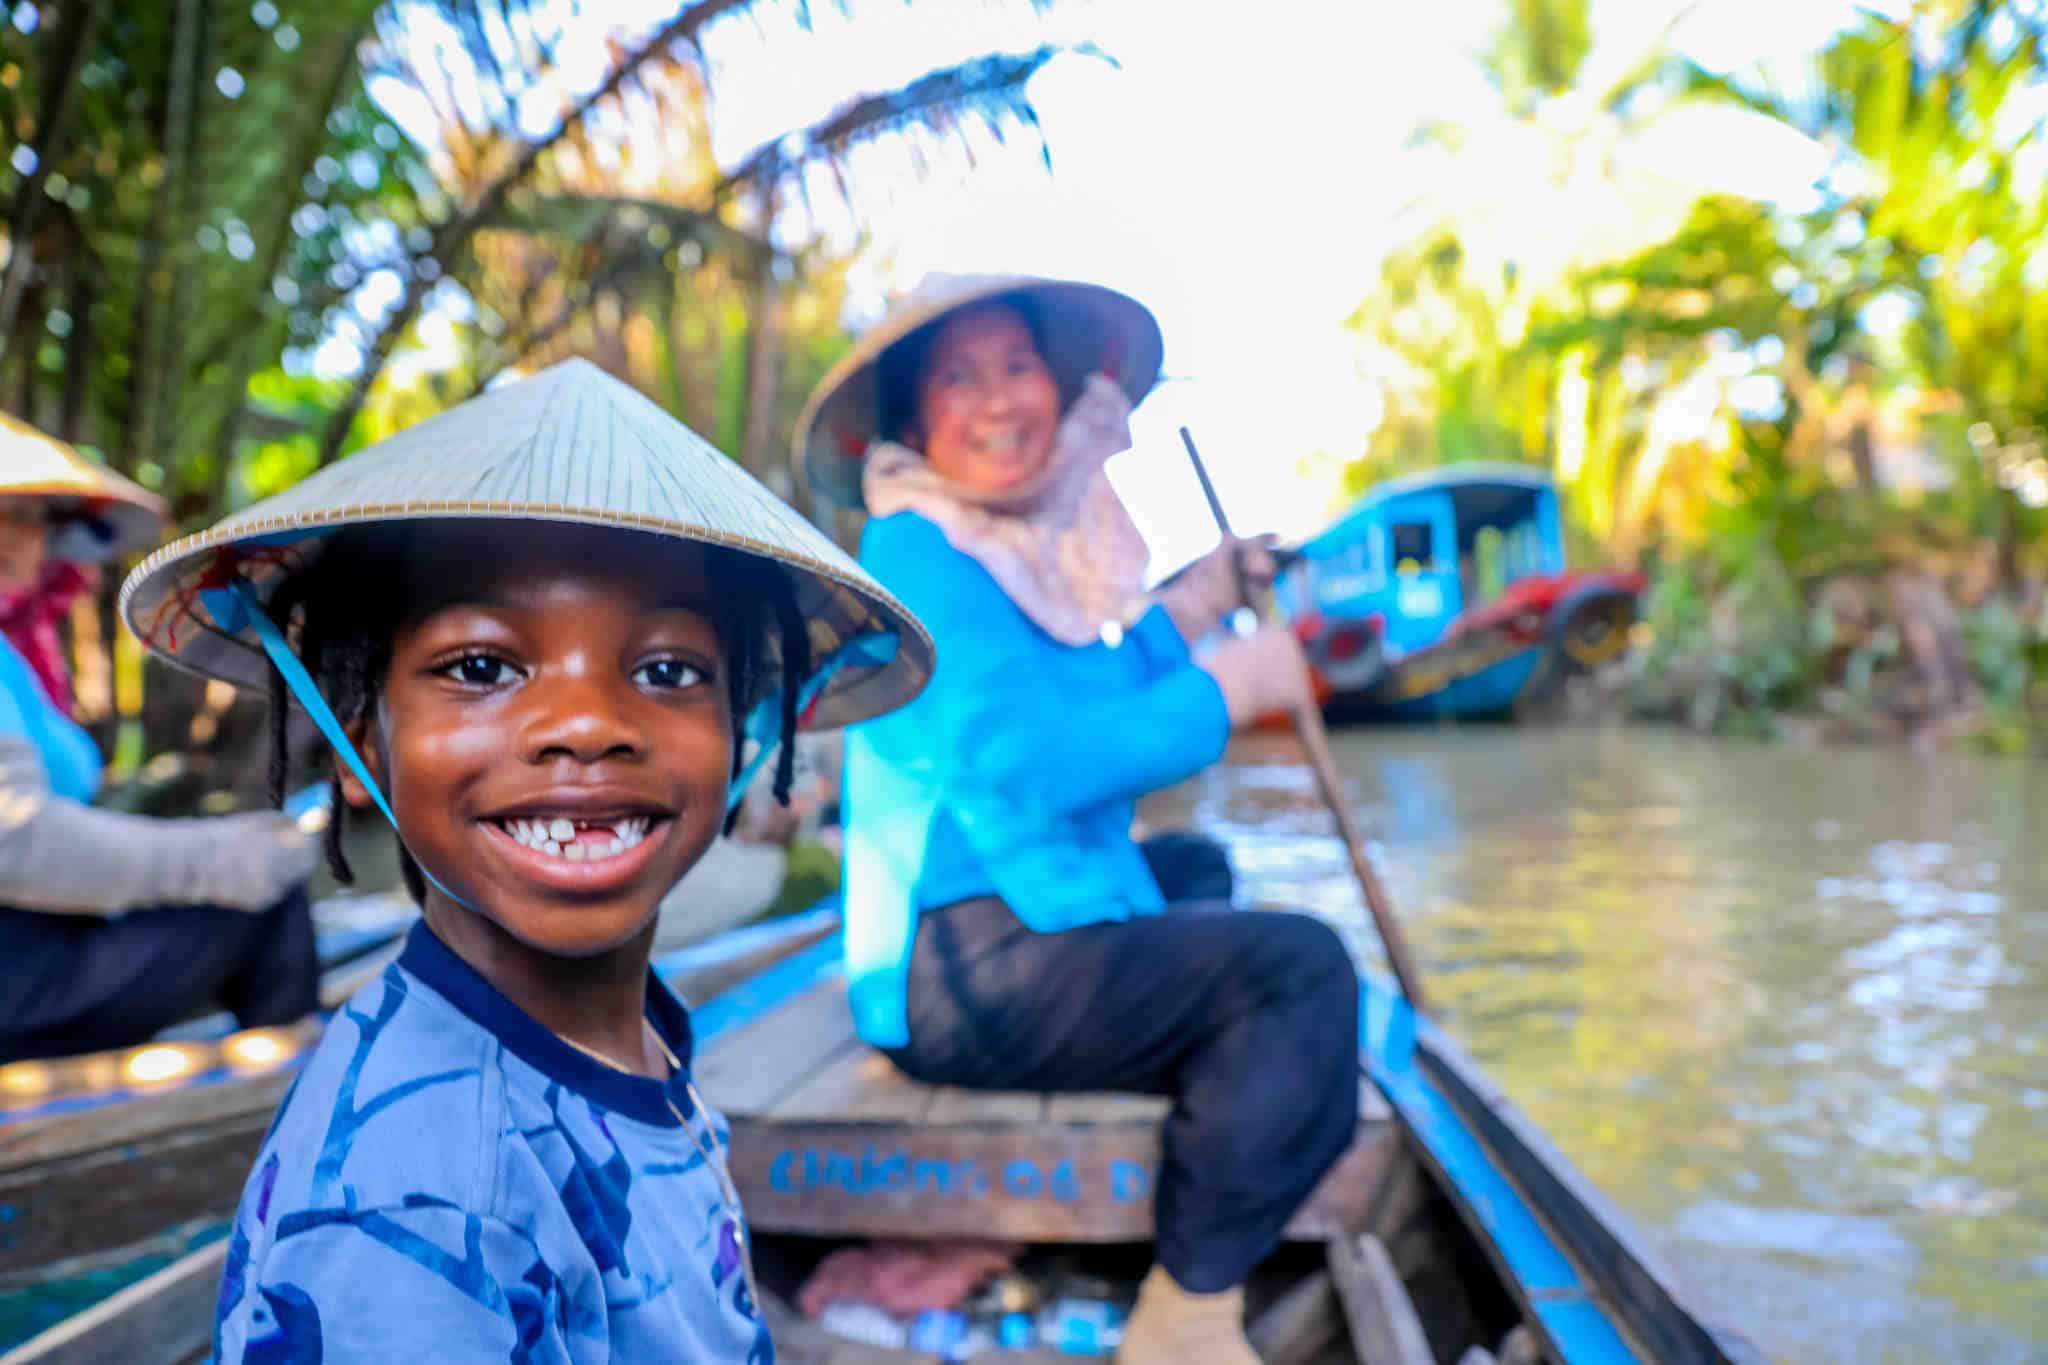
(1315, 743)
(1244, 585)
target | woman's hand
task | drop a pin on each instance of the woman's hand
(258, 858)
(1260, 674)
(1209, 589)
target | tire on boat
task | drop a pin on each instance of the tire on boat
(1591, 627)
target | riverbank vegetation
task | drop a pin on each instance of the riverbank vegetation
(1818, 418)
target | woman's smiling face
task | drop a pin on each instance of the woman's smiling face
(555, 732)
(988, 406)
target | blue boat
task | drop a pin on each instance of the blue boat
(1446, 594)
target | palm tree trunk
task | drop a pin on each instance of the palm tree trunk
(78, 350)
(155, 307)
(249, 350)
(764, 361)
(72, 40)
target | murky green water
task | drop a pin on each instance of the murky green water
(1790, 1010)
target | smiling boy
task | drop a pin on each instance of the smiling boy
(535, 629)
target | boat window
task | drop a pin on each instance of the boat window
(1493, 559)
(1413, 547)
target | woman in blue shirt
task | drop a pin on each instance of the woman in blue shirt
(1003, 929)
(114, 926)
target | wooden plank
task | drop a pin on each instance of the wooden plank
(953, 1104)
(1385, 1328)
(1339, 1204)
(33, 1092)
(1023, 1181)
(337, 986)
(1520, 1347)
(747, 1069)
(704, 970)
(1299, 1324)
(856, 1082)
(165, 1319)
(90, 1205)
(1094, 1107)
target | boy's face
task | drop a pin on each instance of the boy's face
(555, 732)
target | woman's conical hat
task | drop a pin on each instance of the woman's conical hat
(1084, 328)
(110, 515)
(571, 444)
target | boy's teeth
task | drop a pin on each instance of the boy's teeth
(559, 837)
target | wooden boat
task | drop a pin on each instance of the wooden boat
(1452, 1231)
(101, 1152)
(1447, 594)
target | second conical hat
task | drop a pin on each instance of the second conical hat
(571, 444)
(114, 515)
(1084, 328)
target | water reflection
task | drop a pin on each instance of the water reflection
(1787, 1008)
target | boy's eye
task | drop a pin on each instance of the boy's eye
(668, 673)
(478, 670)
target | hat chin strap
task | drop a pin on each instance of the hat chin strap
(237, 605)
(764, 723)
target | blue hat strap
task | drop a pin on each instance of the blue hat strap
(236, 606)
(764, 722)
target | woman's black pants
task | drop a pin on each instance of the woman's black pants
(82, 983)
(1248, 1020)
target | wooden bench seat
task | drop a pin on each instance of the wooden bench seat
(830, 1139)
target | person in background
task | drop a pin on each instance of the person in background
(1003, 928)
(112, 926)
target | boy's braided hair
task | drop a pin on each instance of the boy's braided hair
(348, 610)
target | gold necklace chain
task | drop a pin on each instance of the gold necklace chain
(728, 1191)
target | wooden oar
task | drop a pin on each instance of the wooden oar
(1315, 742)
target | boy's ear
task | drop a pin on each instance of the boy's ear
(361, 732)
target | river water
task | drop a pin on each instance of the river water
(1789, 1009)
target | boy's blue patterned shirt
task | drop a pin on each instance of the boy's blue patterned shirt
(448, 1181)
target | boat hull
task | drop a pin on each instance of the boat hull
(1452, 1230)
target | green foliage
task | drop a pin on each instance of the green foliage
(1722, 401)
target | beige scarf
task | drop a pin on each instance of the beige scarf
(1063, 547)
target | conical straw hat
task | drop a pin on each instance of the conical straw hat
(114, 515)
(570, 444)
(1084, 328)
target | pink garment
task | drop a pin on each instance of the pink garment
(904, 1278)
(1064, 548)
(29, 621)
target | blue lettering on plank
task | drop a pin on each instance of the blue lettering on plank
(880, 1171)
(1022, 1180)
(890, 1173)
(1128, 1182)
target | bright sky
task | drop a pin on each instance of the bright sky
(1238, 171)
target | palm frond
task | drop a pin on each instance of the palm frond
(988, 92)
